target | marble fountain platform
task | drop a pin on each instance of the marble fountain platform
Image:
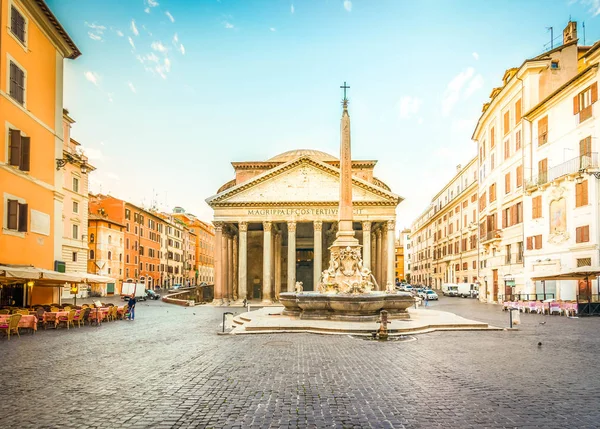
(270, 320)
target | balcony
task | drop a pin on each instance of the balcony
(571, 166)
(491, 236)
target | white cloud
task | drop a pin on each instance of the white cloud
(94, 36)
(273, 29)
(120, 33)
(182, 49)
(92, 77)
(594, 6)
(147, 10)
(134, 29)
(151, 3)
(98, 28)
(409, 106)
(130, 85)
(348, 5)
(228, 24)
(131, 42)
(158, 46)
(454, 88)
(167, 65)
(152, 57)
(292, 8)
(463, 125)
(475, 84)
(175, 39)
(110, 100)
(475, 55)
(170, 16)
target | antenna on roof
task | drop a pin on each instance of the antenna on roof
(552, 36)
(583, 23)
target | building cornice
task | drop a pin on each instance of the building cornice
(260, 204)
(50, 25)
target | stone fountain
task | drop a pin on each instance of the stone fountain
(345, 291)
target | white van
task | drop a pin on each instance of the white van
(450, 289)
(468, 290)
(130, 288)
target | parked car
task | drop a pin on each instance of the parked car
(408, 288)
(431, 295)
(152, 295)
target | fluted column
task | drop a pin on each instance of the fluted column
(373, 253)
(378, 260)
(391, 254)
(291, 271)
(277, 262)
(229, 267)
(318, 251)
(218, 269)
(267, 299)
(224, 267)
(242, 261)
(366, 236)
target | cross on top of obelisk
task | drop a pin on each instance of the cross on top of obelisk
(345, 87)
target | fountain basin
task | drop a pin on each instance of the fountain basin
(346, 307)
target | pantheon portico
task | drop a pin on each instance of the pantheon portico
(276, 219)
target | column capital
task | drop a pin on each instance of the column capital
(291, 225)
(318, 225)
(267, 224)
(218, 226)
(366, 225)
(391, 225)
(243, 226)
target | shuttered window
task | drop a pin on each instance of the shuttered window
(506, 149)
(543, 131)
(582, 234)
(492, 192)
(506, 124)
(507, 183)
(519, 176)
(17, 83)
(16, 216)
(518, 140)
(581, 194)
(518, 110)
(543, 170)
(536, 206)
(537, 241)
(585, 146)
(492, 138)
(529, 243)
(582, 102)
(19, 150)
(17, 24)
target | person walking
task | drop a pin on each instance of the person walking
(131, 305)
(426, 300)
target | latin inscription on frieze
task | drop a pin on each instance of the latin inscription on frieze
(298, 212)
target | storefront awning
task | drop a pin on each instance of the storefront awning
(26, 273)
(94, 278)
(572, 274)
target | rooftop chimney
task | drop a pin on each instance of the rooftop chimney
(570, 32)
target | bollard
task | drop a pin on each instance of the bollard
(224, 314)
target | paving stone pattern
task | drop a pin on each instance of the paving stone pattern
(169, 368)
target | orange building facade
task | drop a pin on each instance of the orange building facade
(106, 250)
(142, 236)
(33, 46)
(204, 245)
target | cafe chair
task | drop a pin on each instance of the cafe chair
(11, 325)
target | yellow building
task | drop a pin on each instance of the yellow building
(399, 261)
(33, 46)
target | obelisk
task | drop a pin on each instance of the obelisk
(345, 235)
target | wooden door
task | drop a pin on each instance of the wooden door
(495, 286)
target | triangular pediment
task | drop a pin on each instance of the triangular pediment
(302, 180)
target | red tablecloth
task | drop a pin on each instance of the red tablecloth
(98, 314)
(28, 322)
(50, 316)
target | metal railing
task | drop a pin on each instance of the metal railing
(490, 235)
(526, 297)
(571, 166)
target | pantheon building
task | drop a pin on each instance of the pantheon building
(275, 220)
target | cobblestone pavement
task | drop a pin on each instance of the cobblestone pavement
(169, 368)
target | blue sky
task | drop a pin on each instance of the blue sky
(168, 92)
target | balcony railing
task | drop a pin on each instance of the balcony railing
(493, 235)
(569, 167)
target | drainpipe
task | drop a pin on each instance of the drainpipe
(523, 167)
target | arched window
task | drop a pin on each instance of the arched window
(92, 239)
(109, 255)
(120, 257)
(92, 252)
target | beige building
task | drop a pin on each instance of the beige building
(512, 153)
(172, 251)
(444, 237)
(106, 252)
(277, 218)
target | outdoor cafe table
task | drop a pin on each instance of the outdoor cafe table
(98, 314)
(28, 322)
(54, 316)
